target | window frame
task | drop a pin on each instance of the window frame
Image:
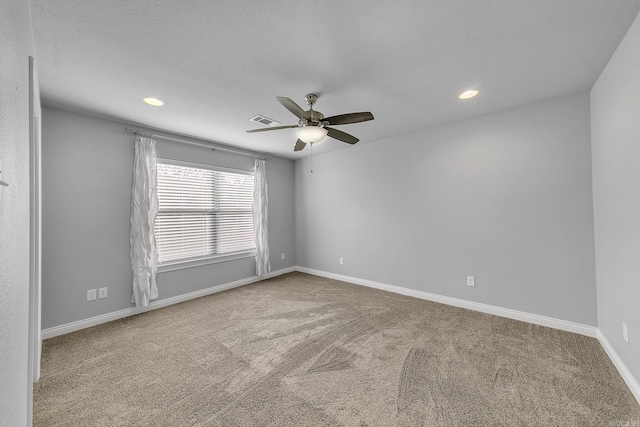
(183, 263)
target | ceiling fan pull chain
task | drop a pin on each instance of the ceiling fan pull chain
(311, 157)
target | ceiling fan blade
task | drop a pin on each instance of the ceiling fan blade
(300, 144)
(272, 128)
(293, 107)
(341, 136)
(345, 119)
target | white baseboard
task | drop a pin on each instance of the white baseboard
(550, 322)
(108, 317)
(564, 325)
(590, 331)
(628, 378)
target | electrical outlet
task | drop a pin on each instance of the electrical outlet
(625, 332)
(282, 255)
(471, 281)
(341, 261)
(91, 294)
(102, 293)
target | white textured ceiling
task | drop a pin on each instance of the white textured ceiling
(218, 63)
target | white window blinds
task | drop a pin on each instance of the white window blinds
(202, 212)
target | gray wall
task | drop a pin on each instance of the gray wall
(86, 172)
(615, 130)
(504, 197)
(16, 45)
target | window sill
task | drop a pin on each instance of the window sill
(181, 265)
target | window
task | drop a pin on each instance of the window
(202, 212)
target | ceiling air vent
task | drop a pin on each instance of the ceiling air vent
(264, 120)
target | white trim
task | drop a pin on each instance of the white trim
(194, 165)
(34, 348)
(590, 331)
(198, 262)
(550, 322)
(626, 375)
(108, 317)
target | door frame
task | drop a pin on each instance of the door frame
(35, 235)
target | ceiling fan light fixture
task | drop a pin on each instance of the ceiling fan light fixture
(468, 94)
(311, 134)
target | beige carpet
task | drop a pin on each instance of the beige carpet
(300, 350)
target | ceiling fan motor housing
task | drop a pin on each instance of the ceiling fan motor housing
(315, 118)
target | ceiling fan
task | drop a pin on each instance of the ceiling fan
(313, 126)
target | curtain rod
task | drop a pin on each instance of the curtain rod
(213, 147)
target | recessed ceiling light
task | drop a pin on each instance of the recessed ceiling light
(154, 101)
(468, 94)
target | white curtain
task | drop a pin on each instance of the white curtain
(261, 218)
(144, 208)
